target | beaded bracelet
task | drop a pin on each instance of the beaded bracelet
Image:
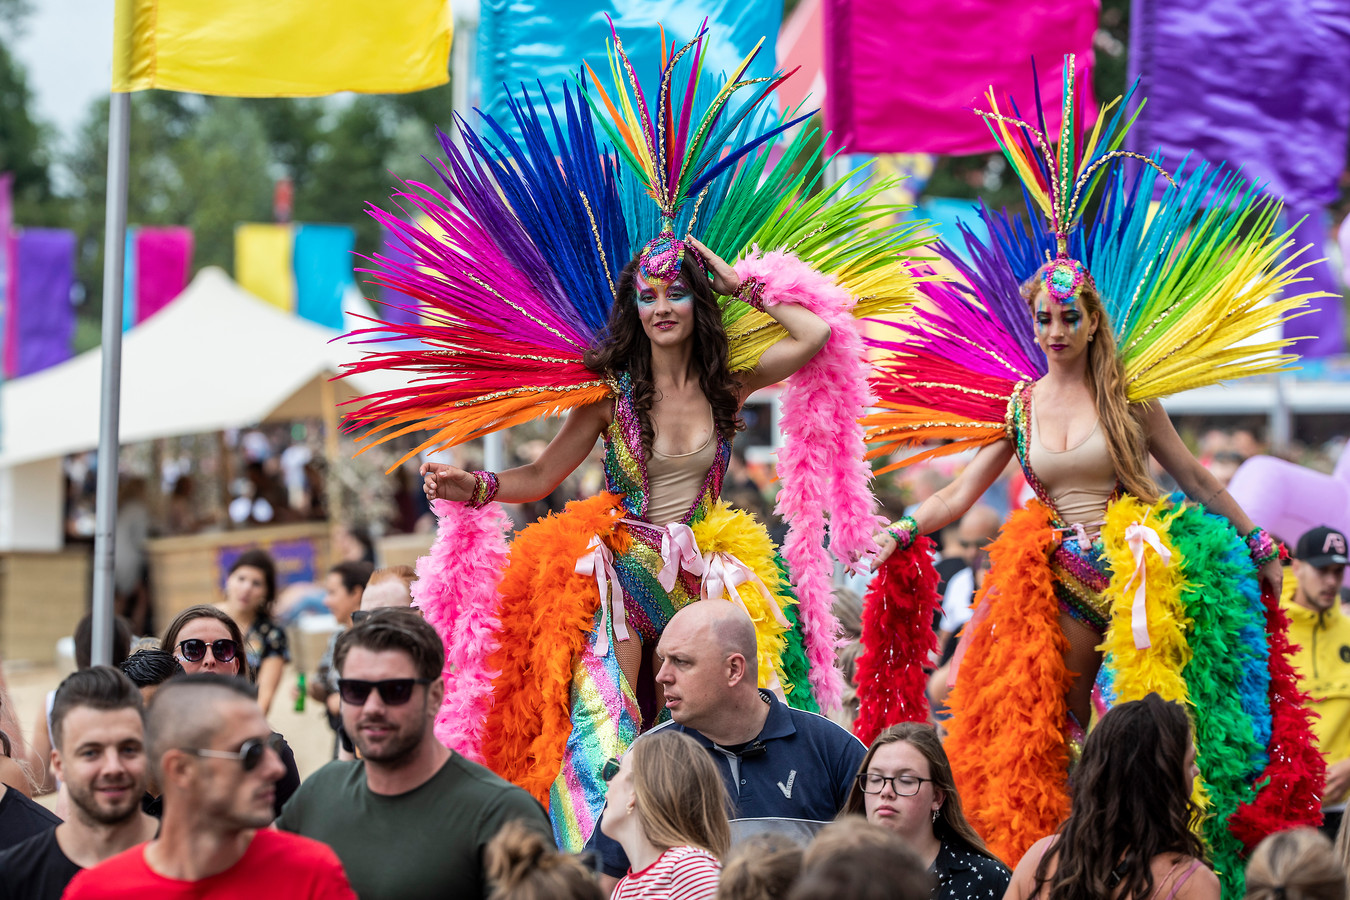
(484, 488)
(751, 292)
(1261, 546)
(904, 531)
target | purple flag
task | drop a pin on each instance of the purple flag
(41, 321)
(394, 306)
(1261, 84)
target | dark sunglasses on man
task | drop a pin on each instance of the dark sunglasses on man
(194, 650)
(250, 752)
(393, 691)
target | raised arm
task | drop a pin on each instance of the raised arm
(951, 503)
(537, 480)
(1198, 484)
(806, 331)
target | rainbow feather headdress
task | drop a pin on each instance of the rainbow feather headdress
(1062, 179)
(514, 271)
(675, 157)
(1189, 284)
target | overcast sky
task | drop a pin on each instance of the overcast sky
(67, 49)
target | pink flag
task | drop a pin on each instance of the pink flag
(903, 74)
(163, 263)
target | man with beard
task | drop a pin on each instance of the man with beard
(410, 819)
(216, 761)
(98, 752)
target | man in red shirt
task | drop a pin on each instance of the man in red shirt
(218, 767)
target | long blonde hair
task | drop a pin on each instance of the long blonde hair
(679, 796)
(1122, 421)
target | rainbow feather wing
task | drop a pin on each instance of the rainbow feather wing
(513, 277)
(1189, 284)
(948, 375)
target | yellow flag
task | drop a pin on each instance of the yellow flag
(263, 263)
(281, 48)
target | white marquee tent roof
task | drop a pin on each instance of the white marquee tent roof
(216, 357)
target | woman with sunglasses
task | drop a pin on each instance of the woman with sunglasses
(905, 784)
(205, 639)
(667, 806)
(250, 592)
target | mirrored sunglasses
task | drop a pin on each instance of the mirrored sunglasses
(194, 649)
(249, 754)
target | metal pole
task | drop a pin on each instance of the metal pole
(114, 257)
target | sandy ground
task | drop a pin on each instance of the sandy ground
(307, 732)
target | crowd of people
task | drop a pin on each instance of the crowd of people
(626, 698)
(174, 784)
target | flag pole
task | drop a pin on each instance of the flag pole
(114, 259)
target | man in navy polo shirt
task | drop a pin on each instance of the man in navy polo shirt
(787, 771)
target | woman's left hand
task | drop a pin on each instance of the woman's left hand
(1272, 577)
(725, 280)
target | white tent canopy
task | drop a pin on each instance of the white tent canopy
(215, 358)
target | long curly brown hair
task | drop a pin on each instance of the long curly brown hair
(1122, 421)
(624, 347)
(1131, 802)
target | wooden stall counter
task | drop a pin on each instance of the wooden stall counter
(42, 596)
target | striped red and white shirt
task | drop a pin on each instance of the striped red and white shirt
(681, 873)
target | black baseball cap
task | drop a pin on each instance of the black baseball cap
(1322, 546)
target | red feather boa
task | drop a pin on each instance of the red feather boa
(898, 639)
(1291, 786)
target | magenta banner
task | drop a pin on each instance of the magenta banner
(163, 264)
(41, 321)
(902, 74)
(1264, 85)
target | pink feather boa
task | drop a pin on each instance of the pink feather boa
(822, 463)
(456, 589)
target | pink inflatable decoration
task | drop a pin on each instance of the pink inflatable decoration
(1288, 499)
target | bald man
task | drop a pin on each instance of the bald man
(976, 531)
(217, 763)
(787, 771)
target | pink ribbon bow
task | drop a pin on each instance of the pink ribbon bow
(679, 551)
(1139, 536)
(599, 561)
(724, 573)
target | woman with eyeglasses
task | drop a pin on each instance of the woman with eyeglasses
(667, 806)
(905, 784)
(205, 639)
(250, 592)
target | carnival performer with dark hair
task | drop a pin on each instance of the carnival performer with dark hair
(1054, 346)
(548, 293)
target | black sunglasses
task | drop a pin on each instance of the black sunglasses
(249, 754)
(393, 691)
(611, 768)
(194, 649)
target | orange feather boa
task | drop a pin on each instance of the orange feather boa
(547, 612)
(1006, 738)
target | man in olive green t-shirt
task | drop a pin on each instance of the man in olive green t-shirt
(409, 820)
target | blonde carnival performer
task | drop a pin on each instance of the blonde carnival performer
(561, 285)
(1053, 346)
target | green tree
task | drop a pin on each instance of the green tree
(24, 143)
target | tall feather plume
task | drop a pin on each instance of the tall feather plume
(513, 277)
(1187, 283)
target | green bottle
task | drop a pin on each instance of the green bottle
(300, 692)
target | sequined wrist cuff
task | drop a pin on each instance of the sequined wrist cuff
(1261, 546)
(484, 488)
(751, 292)
(904, 531)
